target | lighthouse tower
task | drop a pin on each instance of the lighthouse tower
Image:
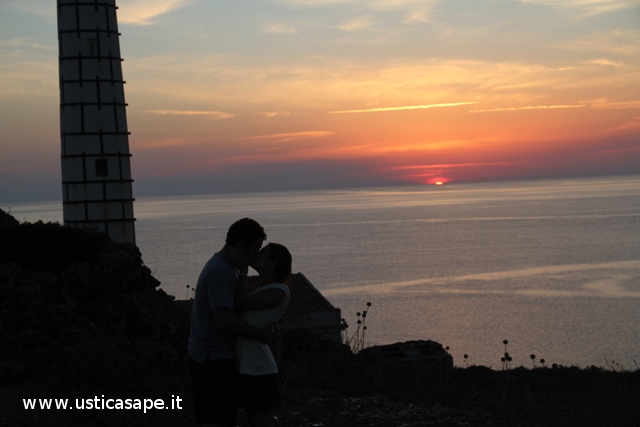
(96, 171)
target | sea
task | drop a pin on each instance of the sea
(552, 267)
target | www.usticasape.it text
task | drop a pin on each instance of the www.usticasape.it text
(103, 403)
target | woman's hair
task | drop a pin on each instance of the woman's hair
(279, 253)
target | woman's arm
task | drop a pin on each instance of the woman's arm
(257, 300)
(225, 320)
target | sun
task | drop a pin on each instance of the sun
(438, 180)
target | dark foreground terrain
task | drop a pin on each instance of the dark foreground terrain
(82, 318)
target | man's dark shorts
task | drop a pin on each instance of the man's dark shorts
(215, 391)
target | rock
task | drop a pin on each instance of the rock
(409, 351)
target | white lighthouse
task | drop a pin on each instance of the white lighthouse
(96, 171)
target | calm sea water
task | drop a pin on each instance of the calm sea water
(551, 266)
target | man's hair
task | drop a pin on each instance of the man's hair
(247, 230)
(279, 253)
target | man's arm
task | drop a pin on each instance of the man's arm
(225, 320)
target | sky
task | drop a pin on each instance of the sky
(269, 95)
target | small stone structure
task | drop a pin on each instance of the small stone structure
(308, 309)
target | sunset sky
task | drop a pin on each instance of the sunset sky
(256, 95)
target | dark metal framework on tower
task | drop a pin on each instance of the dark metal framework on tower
(96, 170)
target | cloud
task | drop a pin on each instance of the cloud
(589, 7)
(603, 104)
(440, 171)
(279, 28)
(442, 166)
(338, 85)
(605, 62)
(600, 104)
(357, 23)
(529, 107)
(143, 12)
(215, 115)
(29, 69)
(169, 142)
(272, 114)
(289, 136)
(632, 125)
(416, 10)
(619, 42)
(34, 7)
(408, 107)
(311, 3)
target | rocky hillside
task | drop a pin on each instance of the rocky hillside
(82, 316)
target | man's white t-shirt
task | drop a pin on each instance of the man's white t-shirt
(254, 357)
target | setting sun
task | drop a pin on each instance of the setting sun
(438, 180)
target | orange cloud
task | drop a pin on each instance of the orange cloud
(290, 136)
(408, 107)
(443, 166)
(142, 12)
(605, 62)
(629, 126)
(170, 142)
(604, 104)
(530, 107)
(272, 114)
(216, 115)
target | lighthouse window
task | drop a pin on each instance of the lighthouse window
(101, 167)
(92, 46)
